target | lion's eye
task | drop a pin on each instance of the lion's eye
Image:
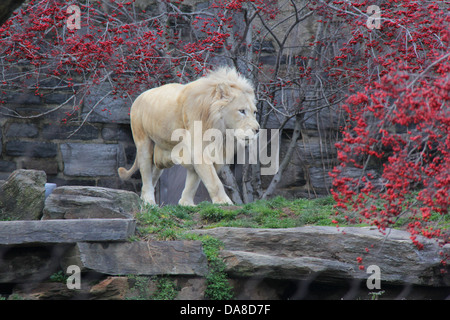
(242, 111)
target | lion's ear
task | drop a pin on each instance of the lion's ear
(223, 91)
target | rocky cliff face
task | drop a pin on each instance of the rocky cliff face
(329, 255)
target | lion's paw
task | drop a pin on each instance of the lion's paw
(224, 200)
(148, 200)
(188, 203)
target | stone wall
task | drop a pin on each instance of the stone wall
(69, 154)
(90, 155)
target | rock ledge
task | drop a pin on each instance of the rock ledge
(328, 255)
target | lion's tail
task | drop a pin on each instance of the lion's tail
(125, 174)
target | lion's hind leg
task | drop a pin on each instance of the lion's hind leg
(190, 188)
(144, 154)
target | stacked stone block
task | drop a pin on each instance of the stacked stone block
(69, 154)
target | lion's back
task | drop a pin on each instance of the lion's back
(155, 98)
(157, 111)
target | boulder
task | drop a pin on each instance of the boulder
(81, 202)
(140, 258)
(22, 195)
(329, 255)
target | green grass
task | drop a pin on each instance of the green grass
(440, 221)
(164, 223)
(274, 213)
(170, 222)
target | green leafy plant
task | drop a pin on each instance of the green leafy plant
(375, 295)
(59, 276)
(166, 289)
(144, 288)
(140, 287)
(217, 284)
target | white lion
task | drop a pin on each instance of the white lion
(222, 100)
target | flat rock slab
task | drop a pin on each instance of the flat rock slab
(140, 258)
(327, 254)
(86, 202)
(65, 231)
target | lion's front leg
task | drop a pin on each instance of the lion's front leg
(212, 182)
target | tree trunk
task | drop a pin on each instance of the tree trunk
(287, 158)
(230, 184)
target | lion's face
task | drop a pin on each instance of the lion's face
(240, 115)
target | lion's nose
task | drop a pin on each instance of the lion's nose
(256, 130)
